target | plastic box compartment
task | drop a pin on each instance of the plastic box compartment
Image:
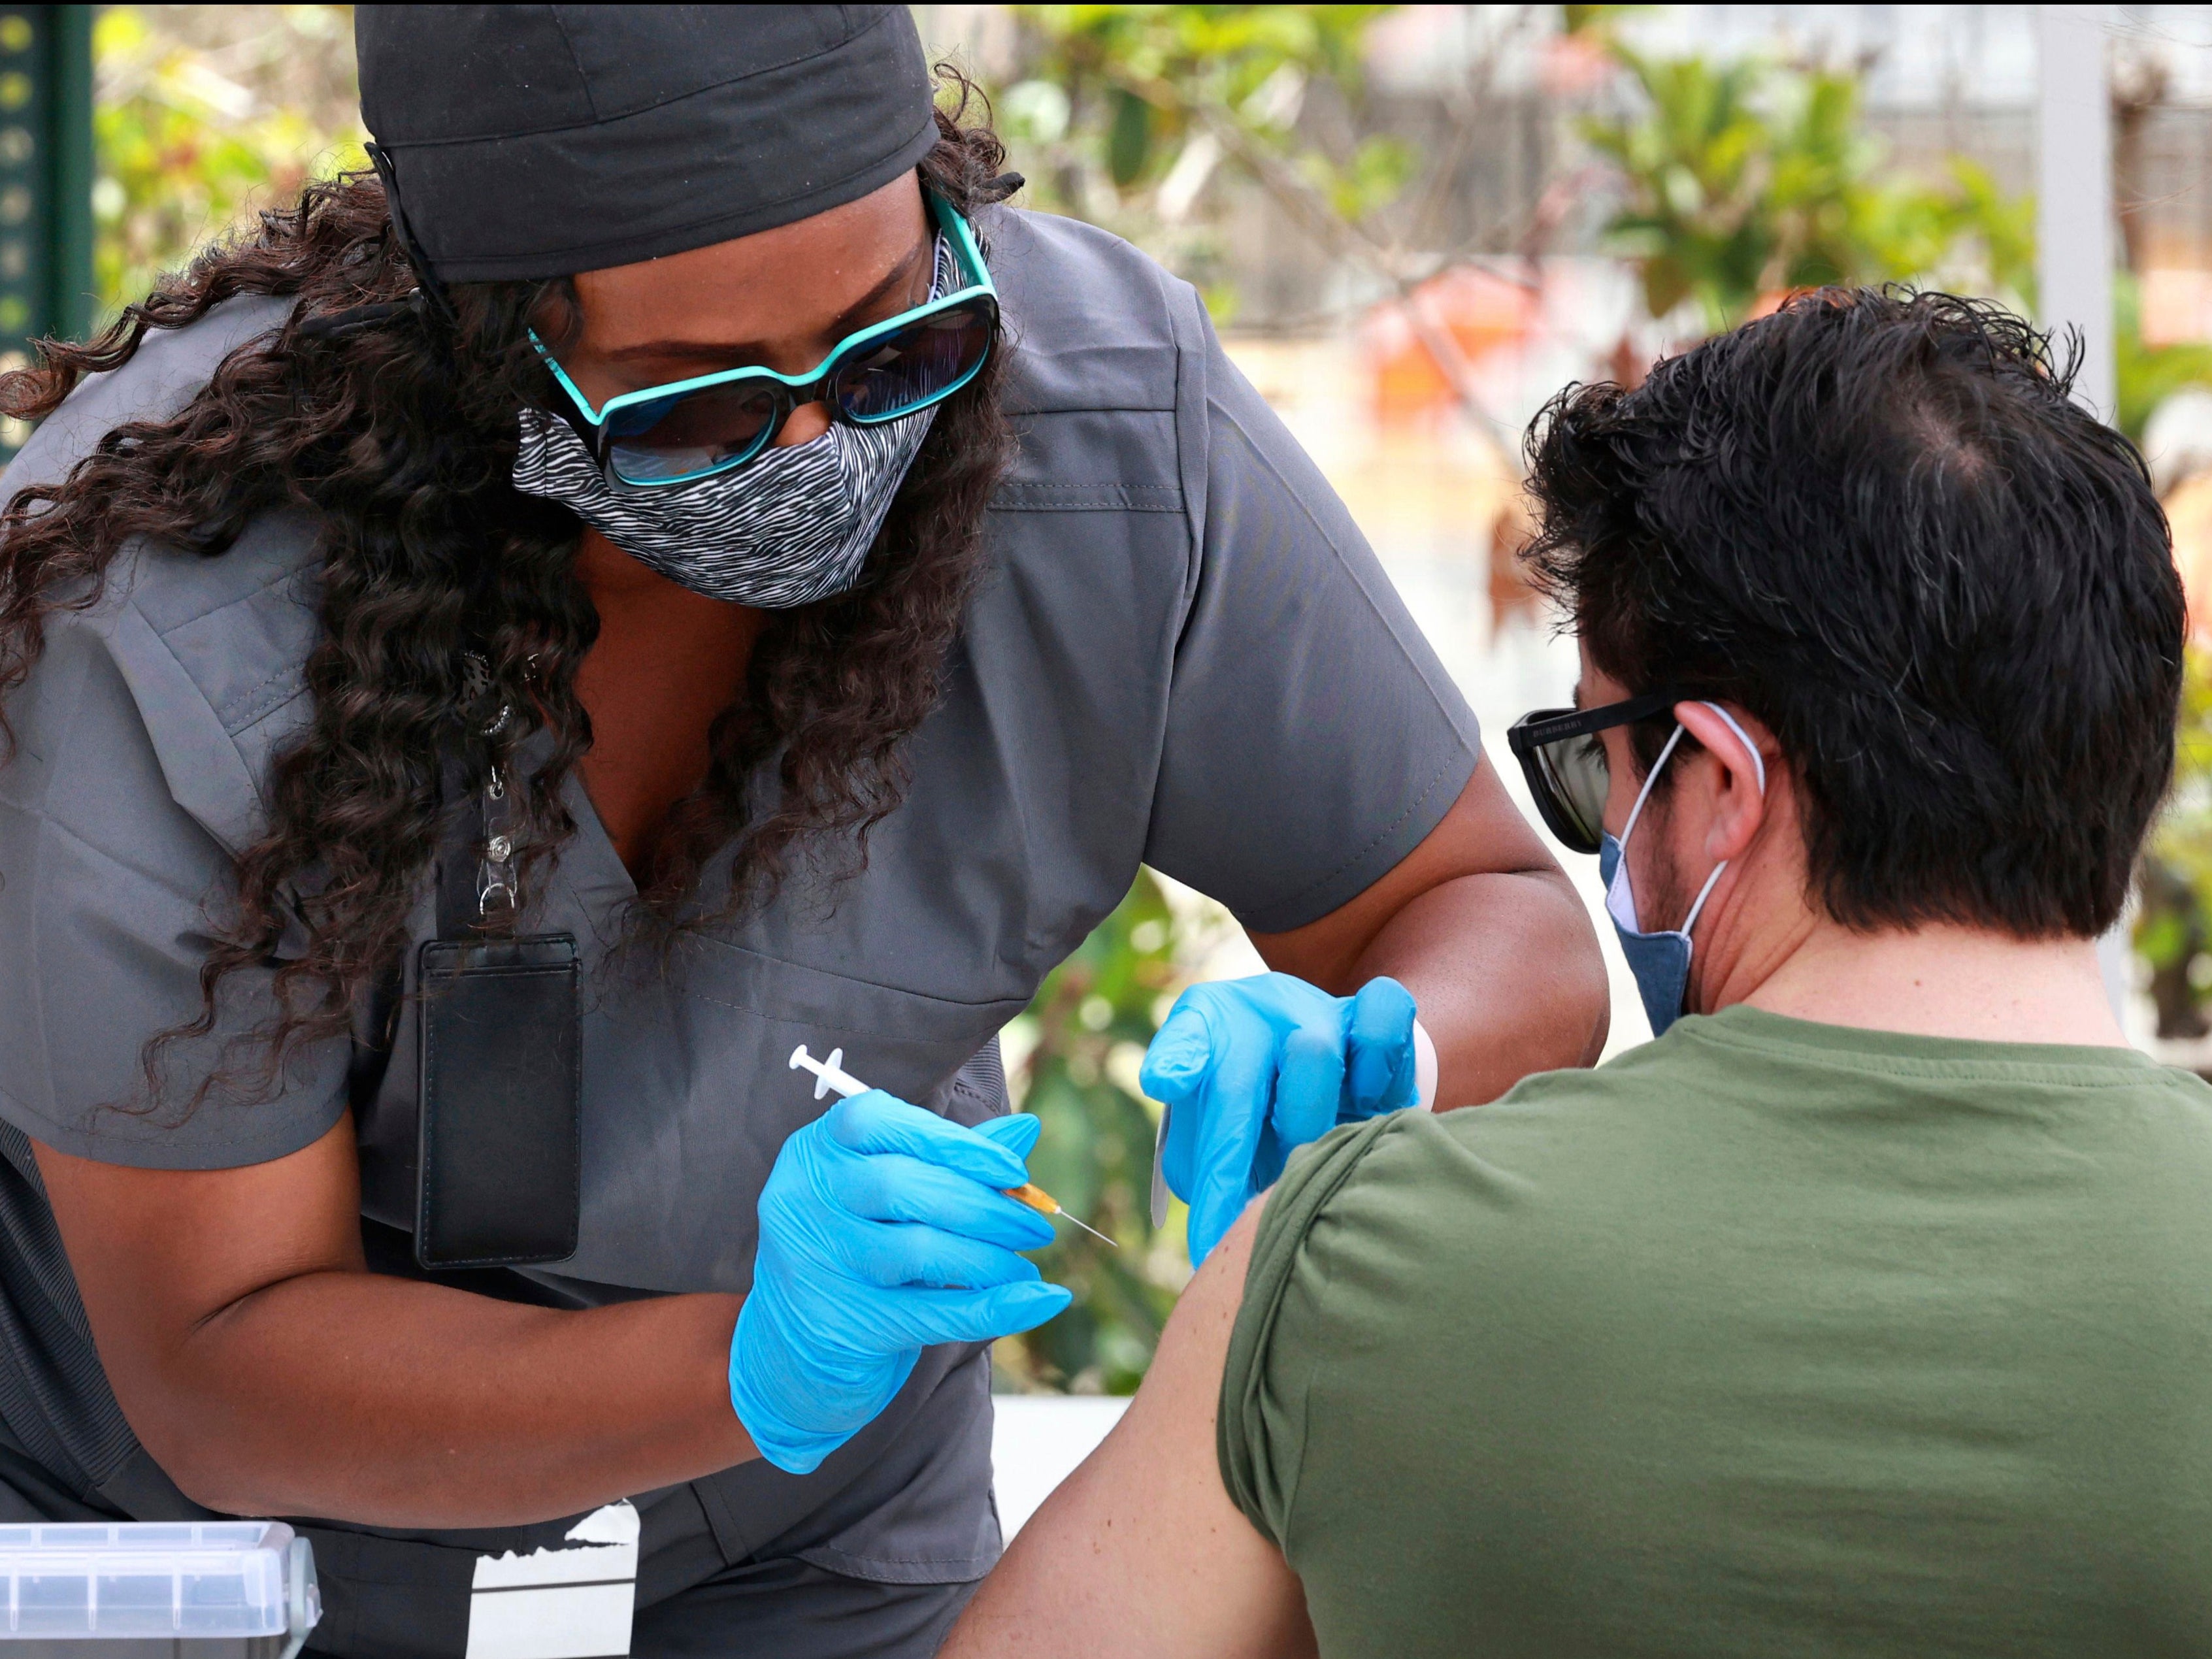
(187, 1589)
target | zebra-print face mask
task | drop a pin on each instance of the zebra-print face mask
(792, 526)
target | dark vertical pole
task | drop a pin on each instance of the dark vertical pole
(46, 181)
(75, 300)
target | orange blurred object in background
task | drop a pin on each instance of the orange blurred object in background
(1483, 312)
(2189, 511)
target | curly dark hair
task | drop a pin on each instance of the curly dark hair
(401, 437)
(1879, 521)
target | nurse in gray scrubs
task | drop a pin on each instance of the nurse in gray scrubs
(668, 569)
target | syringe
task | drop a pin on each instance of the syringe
(830, 1074)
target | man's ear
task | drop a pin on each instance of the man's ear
(1740, 803)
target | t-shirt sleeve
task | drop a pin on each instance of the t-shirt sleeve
(109, 892)
(1260, 1431)
(1313, 740)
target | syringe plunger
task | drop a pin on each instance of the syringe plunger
(828, 1073)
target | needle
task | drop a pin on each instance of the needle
(1045, 1204)
(830, 1074)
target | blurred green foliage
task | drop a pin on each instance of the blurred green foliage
(204, 113)
(1122, 115)
(1746, 179)
(2174, 919)
(1073, 1059)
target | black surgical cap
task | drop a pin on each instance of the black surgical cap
(539, 141)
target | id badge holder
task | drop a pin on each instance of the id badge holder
(499, 1145)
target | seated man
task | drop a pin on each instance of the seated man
(1869, 1311)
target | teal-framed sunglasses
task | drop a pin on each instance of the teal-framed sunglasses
(694, 429)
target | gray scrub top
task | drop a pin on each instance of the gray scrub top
(1183, 654)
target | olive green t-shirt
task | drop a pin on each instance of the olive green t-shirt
(1768, 1338)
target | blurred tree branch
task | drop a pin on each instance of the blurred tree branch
(1235, 79)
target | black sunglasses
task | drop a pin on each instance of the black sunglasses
(1565, 764)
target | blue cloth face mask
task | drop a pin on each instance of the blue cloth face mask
(1660, 961)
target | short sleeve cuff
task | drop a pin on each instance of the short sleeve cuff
(220, 1135)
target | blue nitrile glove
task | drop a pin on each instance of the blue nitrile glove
(873, 1213)
(1251, 1069)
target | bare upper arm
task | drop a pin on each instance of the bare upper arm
(1482, 834)
(160, 1253)
(1140, 1550)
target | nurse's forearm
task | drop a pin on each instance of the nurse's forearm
(392, 1403)
(270, 1373)
(1506, 970)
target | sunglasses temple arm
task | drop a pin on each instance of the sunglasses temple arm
(575, 396)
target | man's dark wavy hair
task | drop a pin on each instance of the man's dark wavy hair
(1879, 521)
(400, 438)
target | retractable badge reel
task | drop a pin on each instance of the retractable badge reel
(500, 1140)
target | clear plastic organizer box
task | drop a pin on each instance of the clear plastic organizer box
(209, 1590)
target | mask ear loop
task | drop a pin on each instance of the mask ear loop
(1757, 761)
(1758, 767)
(1644, 793)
